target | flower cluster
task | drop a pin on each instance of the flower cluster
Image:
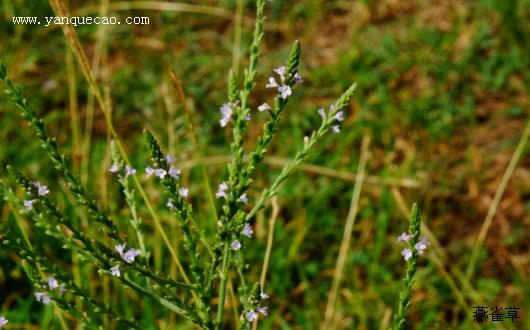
(253, 314)
(53, 284)
(222, 192)
(161, 173)
(283, 88)
(226, 113)
(114, 168)
(129, 255)
(42, 190)
(337, 117)
(420, 246)
(246, 231)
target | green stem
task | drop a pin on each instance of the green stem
(222, 291)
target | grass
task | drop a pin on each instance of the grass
(442, 92)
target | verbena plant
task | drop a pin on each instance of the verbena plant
(200, 296)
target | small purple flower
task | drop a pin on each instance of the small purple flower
(264, 310)
(3, 321)
(335, 129)
(221, 191)
(281, 72)
(114, 168)
(149, 171)
(170, 159)
(298, 78)
(170, 205)
(120, 248)
(161, 173)
(285, 91)
(28, 204)
(339, 116)
(406, 253)
(130, 255)
(404, 237)
(322, 113)
(251, 315)
(52, 283)
(235, 245)
(42, 190)
(421, 246)
(226, 114)
(264, 296)
(115, 271)
(174, 172)
(247, 230)
(243, 198)
(129, 170)
(43, 298)
(183, 192)
(272, 83)
(264, 107)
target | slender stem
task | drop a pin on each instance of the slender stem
(496, 200)
(343, 251)
(266, 259)
(222, 291)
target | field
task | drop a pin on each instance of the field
(439, 118)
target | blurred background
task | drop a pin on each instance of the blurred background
(442, 95)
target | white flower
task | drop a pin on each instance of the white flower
(322, 113)
(170, 159)
(183, 192)
(251, 315)
(130, 255)
(114, 168)
(264, 107)
(335, 128)
(174, 172)
(339, 116)
(226, 114)
(243, 198)
(43, 298)
(421, 246)
(281, 72)
(272, 83)
(306, 140)
(248, 117)
(247, 230)
(264, 296)
(161, 173)
(221, 191)
(264, 310)
(115, 271)
(284, 91)
(28, 204)
(42, 190)
(406, 253)
(3, 321)
(404, 237)
(120, 248)
(170, 205)
(149, 171)
(235, 245)
(52, 283)
(298, 78)
(129, 170)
